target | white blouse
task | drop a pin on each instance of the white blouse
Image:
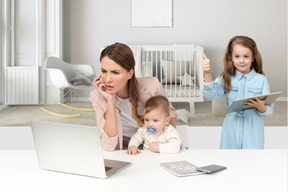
(129, 124)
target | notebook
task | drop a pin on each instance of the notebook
(237, 105)
(71, 148)
(181, 168)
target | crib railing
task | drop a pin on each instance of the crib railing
(178, 68)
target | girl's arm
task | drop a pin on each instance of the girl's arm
(263, 109)
(212, 90)
(269, 107)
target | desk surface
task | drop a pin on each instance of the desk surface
(247, 170)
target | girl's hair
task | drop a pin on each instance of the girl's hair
(229, 68)
(122, 55)
(156, 102)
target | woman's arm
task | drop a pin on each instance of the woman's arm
(108, 142)
(110, 127)
(173, 121)
(106, 115)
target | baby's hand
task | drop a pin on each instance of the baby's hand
(154, 147)
(206, 64)
(132, 150)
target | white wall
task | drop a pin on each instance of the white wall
(25, 33)
(90, 24)
(1, 54)
(204, 137)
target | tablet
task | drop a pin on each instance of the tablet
(237, 105)
(181, 168)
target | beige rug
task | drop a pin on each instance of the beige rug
(22, 115)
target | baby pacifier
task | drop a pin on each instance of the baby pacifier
(151, 130)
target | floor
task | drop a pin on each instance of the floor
(22, 115)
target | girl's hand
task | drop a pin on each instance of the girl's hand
(206, 64)
(154, 147)
(101, 87)
(132, 150)
(259, 104)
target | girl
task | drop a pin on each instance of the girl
(242, 77)
(119, 97)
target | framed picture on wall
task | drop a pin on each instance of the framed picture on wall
(151, 13)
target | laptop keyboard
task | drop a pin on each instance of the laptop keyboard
(107, 168)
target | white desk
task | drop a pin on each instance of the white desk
(247, 170)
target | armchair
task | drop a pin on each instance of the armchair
(68, 77)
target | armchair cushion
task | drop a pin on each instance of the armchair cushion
(81, 79)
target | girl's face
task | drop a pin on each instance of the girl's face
(242, 58)
(115, 77)
(156, 118)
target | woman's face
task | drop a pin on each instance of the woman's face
(115, 77)
(242, 58)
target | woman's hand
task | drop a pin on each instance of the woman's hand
(259, 104)
(132, 150)
(101, 87)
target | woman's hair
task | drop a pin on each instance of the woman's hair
(229, 68)
(156, 102)
(123, 56)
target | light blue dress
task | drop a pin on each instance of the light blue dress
(243, 129)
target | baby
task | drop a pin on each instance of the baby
(158, 135)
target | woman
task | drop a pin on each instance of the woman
(119, 97)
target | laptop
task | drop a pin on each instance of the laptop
(71, 148)
(237, 105)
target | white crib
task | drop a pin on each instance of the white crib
(178, 68)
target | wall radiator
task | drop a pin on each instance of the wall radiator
(22, 85)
